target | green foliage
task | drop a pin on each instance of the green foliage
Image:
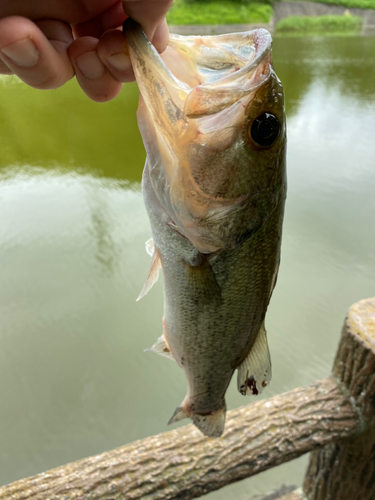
(219, 12)
(266, 2)
(319, 25)
(359, 4)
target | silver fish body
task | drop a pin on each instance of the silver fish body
(212, 120)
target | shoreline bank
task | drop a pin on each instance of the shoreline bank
(281, 11)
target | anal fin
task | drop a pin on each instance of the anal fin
(153, 273)
(254, 373)
(161, 347)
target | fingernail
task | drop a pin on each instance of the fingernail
(23, 53)
(119, 61)
(90, 65)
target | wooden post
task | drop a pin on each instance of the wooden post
(345, 469)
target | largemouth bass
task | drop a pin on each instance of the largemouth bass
(211, 115)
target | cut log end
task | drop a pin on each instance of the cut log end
(354, 366)
(361, 322)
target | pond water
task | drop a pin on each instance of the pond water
(74, 380)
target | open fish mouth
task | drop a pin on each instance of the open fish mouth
(200, 75)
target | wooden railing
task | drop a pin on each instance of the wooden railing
(332, 418)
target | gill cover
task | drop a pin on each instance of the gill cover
(192, 111)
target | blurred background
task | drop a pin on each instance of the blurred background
(283, 17)
(74, 380)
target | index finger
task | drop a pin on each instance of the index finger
(36, 53)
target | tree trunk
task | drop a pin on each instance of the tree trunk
(183, 464)
(346, 469)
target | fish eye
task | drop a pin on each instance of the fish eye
(265, 130)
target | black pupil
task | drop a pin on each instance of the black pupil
(265, 129)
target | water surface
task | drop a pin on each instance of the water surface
(74, 379)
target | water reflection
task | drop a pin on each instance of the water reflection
(62, 129)
(346, 65)
(70, 347)
(101, 230)
(74, 379)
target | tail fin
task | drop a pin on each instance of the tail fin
(211, 425)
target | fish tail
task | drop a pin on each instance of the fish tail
(211, 424)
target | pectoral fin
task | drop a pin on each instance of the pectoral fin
(153, 273)
(254, 373)
(161, 347)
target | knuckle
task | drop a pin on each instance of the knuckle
(48, 80)
(4, 70)
(39, 81)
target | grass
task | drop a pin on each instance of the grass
(350, 4)
(219, 12)
(319, 25)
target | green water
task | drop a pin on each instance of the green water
(74, 380)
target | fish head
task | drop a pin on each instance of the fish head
(212, 119)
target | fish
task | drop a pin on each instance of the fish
(211, 115)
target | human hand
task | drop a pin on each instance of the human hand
(46, 42)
